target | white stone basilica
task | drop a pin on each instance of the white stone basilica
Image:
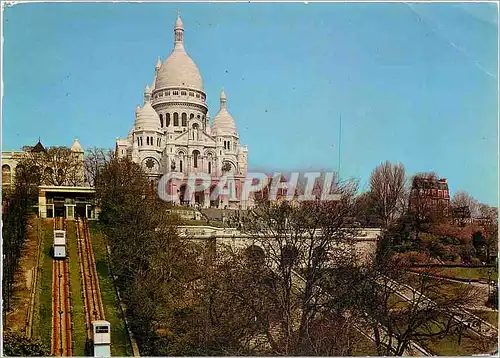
(172, 130)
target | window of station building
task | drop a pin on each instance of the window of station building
(191, 116)
(167, 120)
(184, 119)
(183, 93)
(176, 119)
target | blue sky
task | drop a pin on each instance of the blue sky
(413, 83)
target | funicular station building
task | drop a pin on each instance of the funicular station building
(70, 199)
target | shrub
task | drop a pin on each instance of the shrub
(16, 344)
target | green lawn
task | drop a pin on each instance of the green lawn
(43, 320)
(449, 346)
(78, 308)
(119, 338)
(203, 222)
(364, 346)
(477, 273)
(489, 316)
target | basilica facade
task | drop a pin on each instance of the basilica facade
(172, 131)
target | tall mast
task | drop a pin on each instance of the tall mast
(340, 145)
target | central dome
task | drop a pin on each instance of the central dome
(179, 70)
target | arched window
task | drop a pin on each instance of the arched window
(147, 140)
(167, 120)
(161, 120)
(176, 119)
(6, 174)
(209, 168)
(198, 116)
(184, 119)
(195, 158)
(141, 141)
(180, 165)
(191, 116)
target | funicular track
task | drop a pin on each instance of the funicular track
(62, 341)
(94, 309)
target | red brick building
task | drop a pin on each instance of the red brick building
(429, 196)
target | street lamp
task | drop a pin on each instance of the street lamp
(489, 282)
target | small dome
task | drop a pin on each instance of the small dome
(223, 121)
(147, 118)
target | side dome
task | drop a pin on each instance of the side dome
(223, 121)
(146, 118)
(178, 69)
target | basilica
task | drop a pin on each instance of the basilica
(172, 131)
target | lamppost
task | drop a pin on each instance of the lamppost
(489, 282)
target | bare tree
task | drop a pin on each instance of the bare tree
(464, 202)
(406, 308)
(388, 191)
(56, 166)
(93, 163)
(305, 245)
(489, 221)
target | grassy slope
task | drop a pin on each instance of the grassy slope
(489, 316)
(78, 310)
(449, 346)
(364, 347)
(477, 273)
(120, 343)
(43, 323)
